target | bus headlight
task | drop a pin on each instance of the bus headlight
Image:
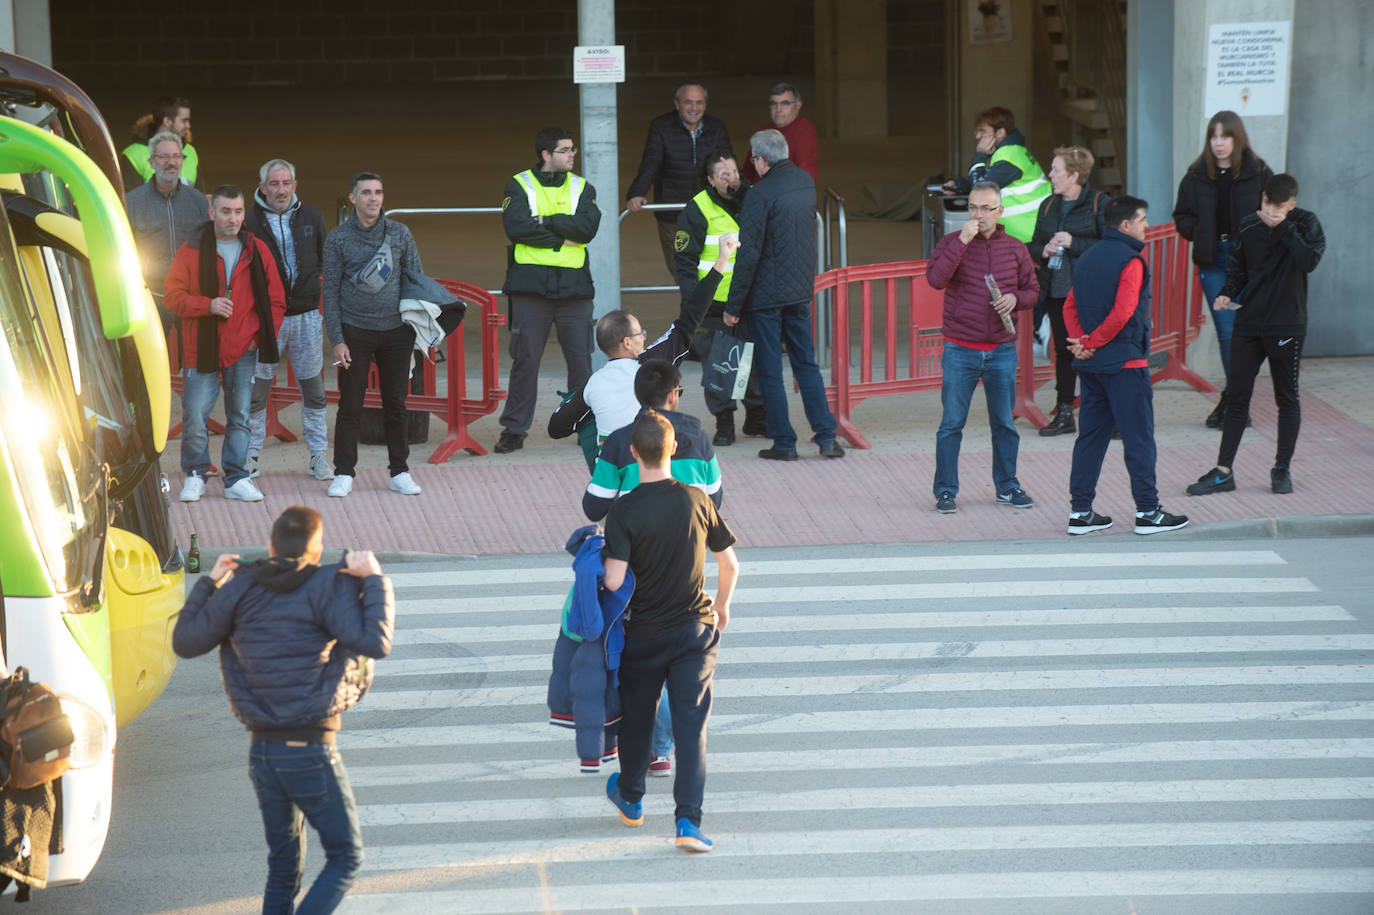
(92, 738)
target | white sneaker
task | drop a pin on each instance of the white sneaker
(320, 469)
(193, 488)
(243, 491)
(251, 465)
(342, 486)
(403, 484)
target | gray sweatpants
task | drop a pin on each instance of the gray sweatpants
(301, 340)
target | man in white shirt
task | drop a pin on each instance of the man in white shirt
(610, 392)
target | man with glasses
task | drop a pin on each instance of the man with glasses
(550, 215)
(784, 110)
(987, 276)
(610, 391)
(677, 144)
(164, 212)
(1003, 158)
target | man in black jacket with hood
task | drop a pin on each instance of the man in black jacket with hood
(1266, 285)
(296, 641)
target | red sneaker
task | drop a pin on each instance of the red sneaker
(661, 766)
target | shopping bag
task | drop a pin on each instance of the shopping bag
(726, 370)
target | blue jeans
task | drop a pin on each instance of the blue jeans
(961, 368)
(305, 782)
(769, 328)
(684, 658)
(1213, 278)
(198, 398)
(663, 727)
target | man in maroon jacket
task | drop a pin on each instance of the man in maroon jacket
(987, 276)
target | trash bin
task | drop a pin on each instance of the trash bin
(372, 427)
(941, 215)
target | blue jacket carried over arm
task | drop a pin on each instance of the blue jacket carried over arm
(584, 686)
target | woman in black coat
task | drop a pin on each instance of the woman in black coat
(1069, 222)
(1220, 189)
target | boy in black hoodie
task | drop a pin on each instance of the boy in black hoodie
(296, 641)
(1266, 284)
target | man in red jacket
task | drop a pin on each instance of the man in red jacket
(225, 287)
(987, 276)
(784, 111)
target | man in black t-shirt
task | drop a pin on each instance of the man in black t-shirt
(662, 529)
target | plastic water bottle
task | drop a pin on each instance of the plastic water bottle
(1057, 259)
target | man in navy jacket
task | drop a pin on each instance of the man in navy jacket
(1107, 315)
(296, 641)
(774, 281)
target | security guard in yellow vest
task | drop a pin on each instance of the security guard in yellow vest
(550, 215)
(708, 217)
(1002, 158)
(169, 113)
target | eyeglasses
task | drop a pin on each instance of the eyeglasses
(168, 157)
(571, 150)
(638, 333)
(773, 104)
(978, 211)
(678, 390)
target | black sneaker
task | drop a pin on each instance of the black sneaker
(1213, 481)
(1218, 414)
(1087, 522)
(509, 442)
(777, 454)
(944, 503)
(1158, 522)
(832, 449)
(1016, 498)
(1280, 481)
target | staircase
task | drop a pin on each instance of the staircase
(1084, 44)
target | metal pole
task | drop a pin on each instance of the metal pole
(601, 156)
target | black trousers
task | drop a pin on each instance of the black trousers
(685, 658)
(531, 319)
(1248, 354)
(1064, 375)
(392, 351)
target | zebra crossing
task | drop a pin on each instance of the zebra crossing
(1099, 730)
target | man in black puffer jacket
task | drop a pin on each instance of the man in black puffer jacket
(774, 279)
(296, 641)
(677, 145)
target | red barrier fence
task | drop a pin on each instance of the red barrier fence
(454, 407)
(896, 299)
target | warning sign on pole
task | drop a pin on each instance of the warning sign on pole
(599, 63)
(1247, 68)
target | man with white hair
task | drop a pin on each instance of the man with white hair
(163, 212)
(774, 278)
(295, 234)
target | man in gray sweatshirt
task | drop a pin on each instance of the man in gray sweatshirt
(163, 212)
(364, 261)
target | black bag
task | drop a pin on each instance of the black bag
(727, 365)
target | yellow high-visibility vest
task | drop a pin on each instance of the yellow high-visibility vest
(550, 201)
(718, 222)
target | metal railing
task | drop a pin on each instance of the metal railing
(652, 207)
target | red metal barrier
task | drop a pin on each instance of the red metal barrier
(455, 408)
(912, 345)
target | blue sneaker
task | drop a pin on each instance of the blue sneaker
(630, 814)
(689, 836)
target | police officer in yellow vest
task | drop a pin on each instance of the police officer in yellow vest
(173, 114)
(550, 215)
(700, 226)
(1002, 158)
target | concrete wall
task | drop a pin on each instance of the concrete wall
(1192, 21)
(1330, 136)
(996, 74)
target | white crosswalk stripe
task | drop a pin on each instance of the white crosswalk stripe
(1170, 730)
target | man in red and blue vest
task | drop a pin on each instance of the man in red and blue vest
(1107, 315)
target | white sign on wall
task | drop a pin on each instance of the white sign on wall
(1247, 68)
(599, 63)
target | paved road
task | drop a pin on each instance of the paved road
(1112, 726)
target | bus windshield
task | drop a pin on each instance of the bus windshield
(56, 472)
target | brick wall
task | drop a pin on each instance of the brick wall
(189, 44)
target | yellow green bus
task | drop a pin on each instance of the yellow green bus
(91, 578)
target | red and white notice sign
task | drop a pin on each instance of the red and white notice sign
(599, 63)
